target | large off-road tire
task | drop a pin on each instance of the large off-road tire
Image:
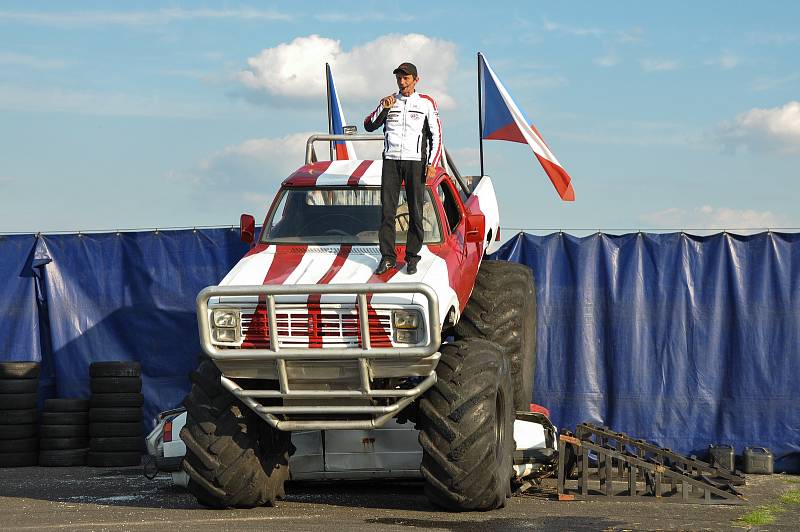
(233, 458)
(502, 309)
(466, 424)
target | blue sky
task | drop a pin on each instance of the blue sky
(174, 114)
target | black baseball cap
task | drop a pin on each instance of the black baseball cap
(406, 68)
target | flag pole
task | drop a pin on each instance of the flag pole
(480, 110)
(328, 92)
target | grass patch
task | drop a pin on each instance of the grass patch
(792, 480)
(759, 516)
(791, 497)
(763, 515)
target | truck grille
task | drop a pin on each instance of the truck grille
(324, 327)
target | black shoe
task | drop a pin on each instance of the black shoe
(411, 267)
(384, 266)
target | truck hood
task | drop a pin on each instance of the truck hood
(339, 264)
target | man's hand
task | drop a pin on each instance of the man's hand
(431, 171)
(388, 102)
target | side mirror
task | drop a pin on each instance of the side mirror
(476, 224)
(247, 229)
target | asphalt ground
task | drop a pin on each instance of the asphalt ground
(82, 498)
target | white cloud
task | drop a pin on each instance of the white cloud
(658, 65)
(39, 99)
(775, 130)
(249, 173)
(772, 38)
(296, 69)
(726, 60)
(365, 17)
(637, 133)
(576, 31)
(767, 84)
(466, 158)
(254, 161)
(634, 35)
(70, 19)
(607, 60)
(714, 218)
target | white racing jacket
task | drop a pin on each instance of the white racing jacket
(408, 126)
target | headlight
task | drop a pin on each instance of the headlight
(225, 335)
(226, 318)
(405, 319)
(407, 326)
(405, 336)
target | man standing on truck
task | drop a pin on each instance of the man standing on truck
(412, 149)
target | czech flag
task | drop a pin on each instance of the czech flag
(502, 119)
(342, 150)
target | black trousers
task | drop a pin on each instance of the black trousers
(394, 173)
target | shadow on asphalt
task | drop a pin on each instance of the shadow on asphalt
(383, 494)
(129, 488)
(504, 523)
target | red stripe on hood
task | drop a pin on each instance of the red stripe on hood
(314, 311)
(355, 177)
(285, 261)
(379, 337)
(306, 175)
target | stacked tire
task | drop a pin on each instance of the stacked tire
(64, 433)
(115, 415)
(19, 382)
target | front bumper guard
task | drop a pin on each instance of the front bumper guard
(363, 354)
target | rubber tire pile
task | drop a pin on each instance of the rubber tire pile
(64, 433)
(115, 414)
(19, 382)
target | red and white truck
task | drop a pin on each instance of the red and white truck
(301, 337)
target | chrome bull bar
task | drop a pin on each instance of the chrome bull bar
(363, 354)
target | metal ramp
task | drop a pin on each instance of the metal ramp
(598, 463)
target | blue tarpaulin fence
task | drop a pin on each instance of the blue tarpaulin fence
(19, 319)
(680, 339)
(117, 296)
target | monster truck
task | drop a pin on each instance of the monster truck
(301, 335)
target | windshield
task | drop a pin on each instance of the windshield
(341, 216)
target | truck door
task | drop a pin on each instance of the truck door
(462, 255)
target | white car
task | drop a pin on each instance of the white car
(392, 451)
